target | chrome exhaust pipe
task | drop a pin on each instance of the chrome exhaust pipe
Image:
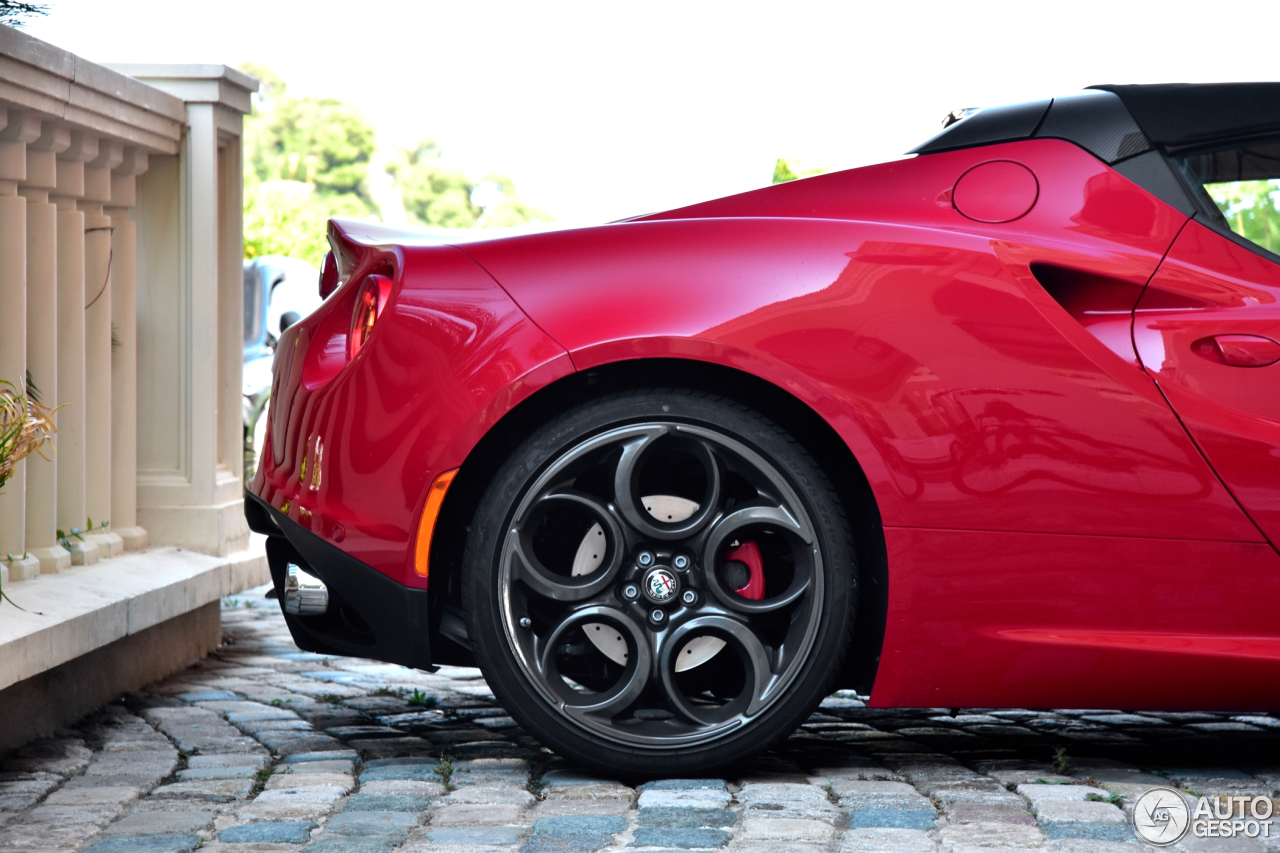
(304, 593)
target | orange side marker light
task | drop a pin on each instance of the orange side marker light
(427, 526)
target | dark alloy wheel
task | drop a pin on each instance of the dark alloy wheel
(660, 581)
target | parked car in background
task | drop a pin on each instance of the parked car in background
(278, 292)
(996, 426)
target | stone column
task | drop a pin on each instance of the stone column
(42, 338)
(124, 362)
(72, 422)
(190, 491)
(15, 132)
(98, 346)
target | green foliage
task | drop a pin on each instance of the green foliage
(439, 196)
(1252, 209)
(308, 159)
(259, 408)
(444, 772)
(64, 539)
(422, 700)
(33, 392)
(322, 142)
(26, 427)
(289, 218)
(790, 170)
(12, 12)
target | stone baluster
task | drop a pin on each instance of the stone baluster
(98, 345)
(72, 423)
(124, 362)
(16, 131)
(42, 337)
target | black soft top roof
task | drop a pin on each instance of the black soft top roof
(1177, 115)
(1120, 122)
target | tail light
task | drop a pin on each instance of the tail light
(372, 298)
(328, 276)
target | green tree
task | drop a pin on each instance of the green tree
(319, 141)
(1252, 209)
(284, 218)
(790, 170)
(507, 208)
(439, 196)
(434, 194)
(308, 159)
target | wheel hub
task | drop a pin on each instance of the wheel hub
(660, 585)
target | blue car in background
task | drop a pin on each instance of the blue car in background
(278, 292)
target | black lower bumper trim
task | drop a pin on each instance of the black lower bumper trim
(369, 615)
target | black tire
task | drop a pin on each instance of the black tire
(729, 482)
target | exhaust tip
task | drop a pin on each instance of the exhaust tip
(304, 593)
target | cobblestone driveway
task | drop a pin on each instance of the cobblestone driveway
(262, 747)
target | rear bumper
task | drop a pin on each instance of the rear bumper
(369, 614)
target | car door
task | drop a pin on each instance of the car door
(1207, 327)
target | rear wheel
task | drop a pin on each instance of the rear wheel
(660, 581)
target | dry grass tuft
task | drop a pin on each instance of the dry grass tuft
(25, 428)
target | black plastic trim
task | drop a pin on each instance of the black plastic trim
(370, 615)
(259, 518)
(1153, 172)
(1098, 122)
(989, 125)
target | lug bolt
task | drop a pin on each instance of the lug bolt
(525, 622)
(681, 562)
(689, 597)
(657, 616)
(645, 559)
(630, 592)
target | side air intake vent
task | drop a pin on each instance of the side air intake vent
(1102, 305)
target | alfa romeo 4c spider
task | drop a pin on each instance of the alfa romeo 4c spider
(994, 425)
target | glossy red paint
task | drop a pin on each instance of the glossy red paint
(1078, 621)
(1211, 288)
(1048, 518)
(929, 345)
(996, 191)
(355, 445)
(1239, 350)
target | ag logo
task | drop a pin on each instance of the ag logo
(660, 585)
(1161, 817)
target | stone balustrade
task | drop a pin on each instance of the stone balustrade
(121, 297)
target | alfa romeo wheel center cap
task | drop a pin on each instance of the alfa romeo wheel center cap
(660, 585)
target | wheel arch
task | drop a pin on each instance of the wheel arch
(788, 411)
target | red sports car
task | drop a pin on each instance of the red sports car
(996, 425)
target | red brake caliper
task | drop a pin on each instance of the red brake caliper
(748, 553)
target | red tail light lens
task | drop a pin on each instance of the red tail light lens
(328, 276)
(372, 298)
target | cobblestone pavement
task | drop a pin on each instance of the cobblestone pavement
(261, 747)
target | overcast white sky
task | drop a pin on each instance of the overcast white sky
(602, 110)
